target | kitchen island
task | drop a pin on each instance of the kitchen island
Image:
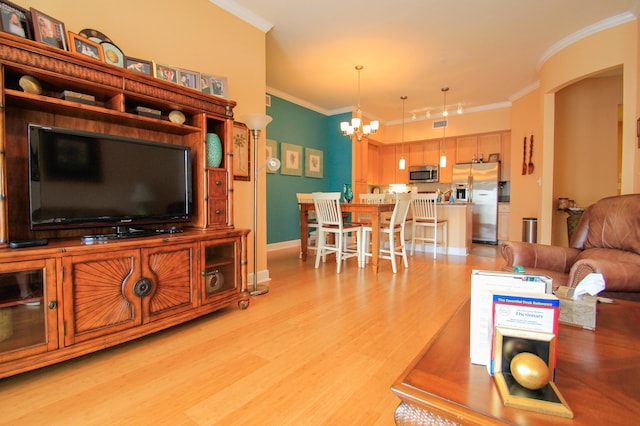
(459, 228)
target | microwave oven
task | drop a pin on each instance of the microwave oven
(428, 173)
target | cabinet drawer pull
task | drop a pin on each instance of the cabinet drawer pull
(218, 182)
(218, 211)
(52, 305)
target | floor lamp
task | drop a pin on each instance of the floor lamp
(255, 123)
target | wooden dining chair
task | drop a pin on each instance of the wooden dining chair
(312, 223)
(330, 221)
(390, 230)
(425, 215)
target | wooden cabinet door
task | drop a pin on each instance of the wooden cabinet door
(173, 274)
(98, 294)
(488, 144)
(388, 164)
(446, 173)
(466, 149)
(432, 152)
(416, 153)
(373, 165)
(505, 156)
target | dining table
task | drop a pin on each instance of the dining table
(373, 212)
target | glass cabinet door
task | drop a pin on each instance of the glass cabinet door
(27, 308)
(219, 273)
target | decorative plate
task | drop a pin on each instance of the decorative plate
(94, 35)
(112, 54)
(215, 281)
(30, 85)
(176, 116)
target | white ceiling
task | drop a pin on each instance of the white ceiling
(487, 51)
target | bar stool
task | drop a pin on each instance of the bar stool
(425, 215)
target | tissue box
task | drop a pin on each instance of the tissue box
(579, 312)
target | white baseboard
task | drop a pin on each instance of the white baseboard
(453, 251)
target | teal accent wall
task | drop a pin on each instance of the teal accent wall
(297, 125)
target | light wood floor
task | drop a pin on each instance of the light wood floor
(318, 349)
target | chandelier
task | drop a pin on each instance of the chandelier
(356, 127)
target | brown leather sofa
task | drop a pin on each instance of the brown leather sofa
(606, 241)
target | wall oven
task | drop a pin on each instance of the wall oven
(428, 173)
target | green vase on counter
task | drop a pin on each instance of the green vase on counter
(347, 192)
(214, 150)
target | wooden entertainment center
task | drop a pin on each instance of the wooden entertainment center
(76, 298)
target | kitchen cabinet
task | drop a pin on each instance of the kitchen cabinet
(449, 149)
(388, 164)
(373, 164)
(466, 149)
(416, 153)
(504, 212)
(505, 155)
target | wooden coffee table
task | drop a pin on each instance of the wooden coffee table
(598, 373)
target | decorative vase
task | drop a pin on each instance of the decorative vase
(347, 193)
(214, 150)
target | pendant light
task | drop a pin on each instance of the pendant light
(402, 164)
(443, 156)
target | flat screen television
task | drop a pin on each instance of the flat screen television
(80, 179)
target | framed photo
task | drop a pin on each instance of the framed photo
(15, 20)
(493, 158)
(84, 46)
(241, 152)
(271, 149)
(189, 78)
(138, 65)
(291, 159)
(112, 54)
(313, 165)
(48, 30)
(214, 85)
(166, 73)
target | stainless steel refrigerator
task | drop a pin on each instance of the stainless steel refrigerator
(481, 183)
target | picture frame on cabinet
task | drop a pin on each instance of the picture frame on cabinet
(86, 47)
(138, 65)
(188, 78)
(48, 30)
(15, 19)
(493, 158)
(291, 159)
(271, 149)
(166, 73)
(241, 152)
(214, 85)
(313, 163)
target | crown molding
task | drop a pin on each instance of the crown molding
(245, 14)
(605, 24)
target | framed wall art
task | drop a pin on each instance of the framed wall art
(291, 159)
(271, 149)
(241, 152)
(313, 163)
(48, 30)
(86, 47)
(138, 65)
(15, 20)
